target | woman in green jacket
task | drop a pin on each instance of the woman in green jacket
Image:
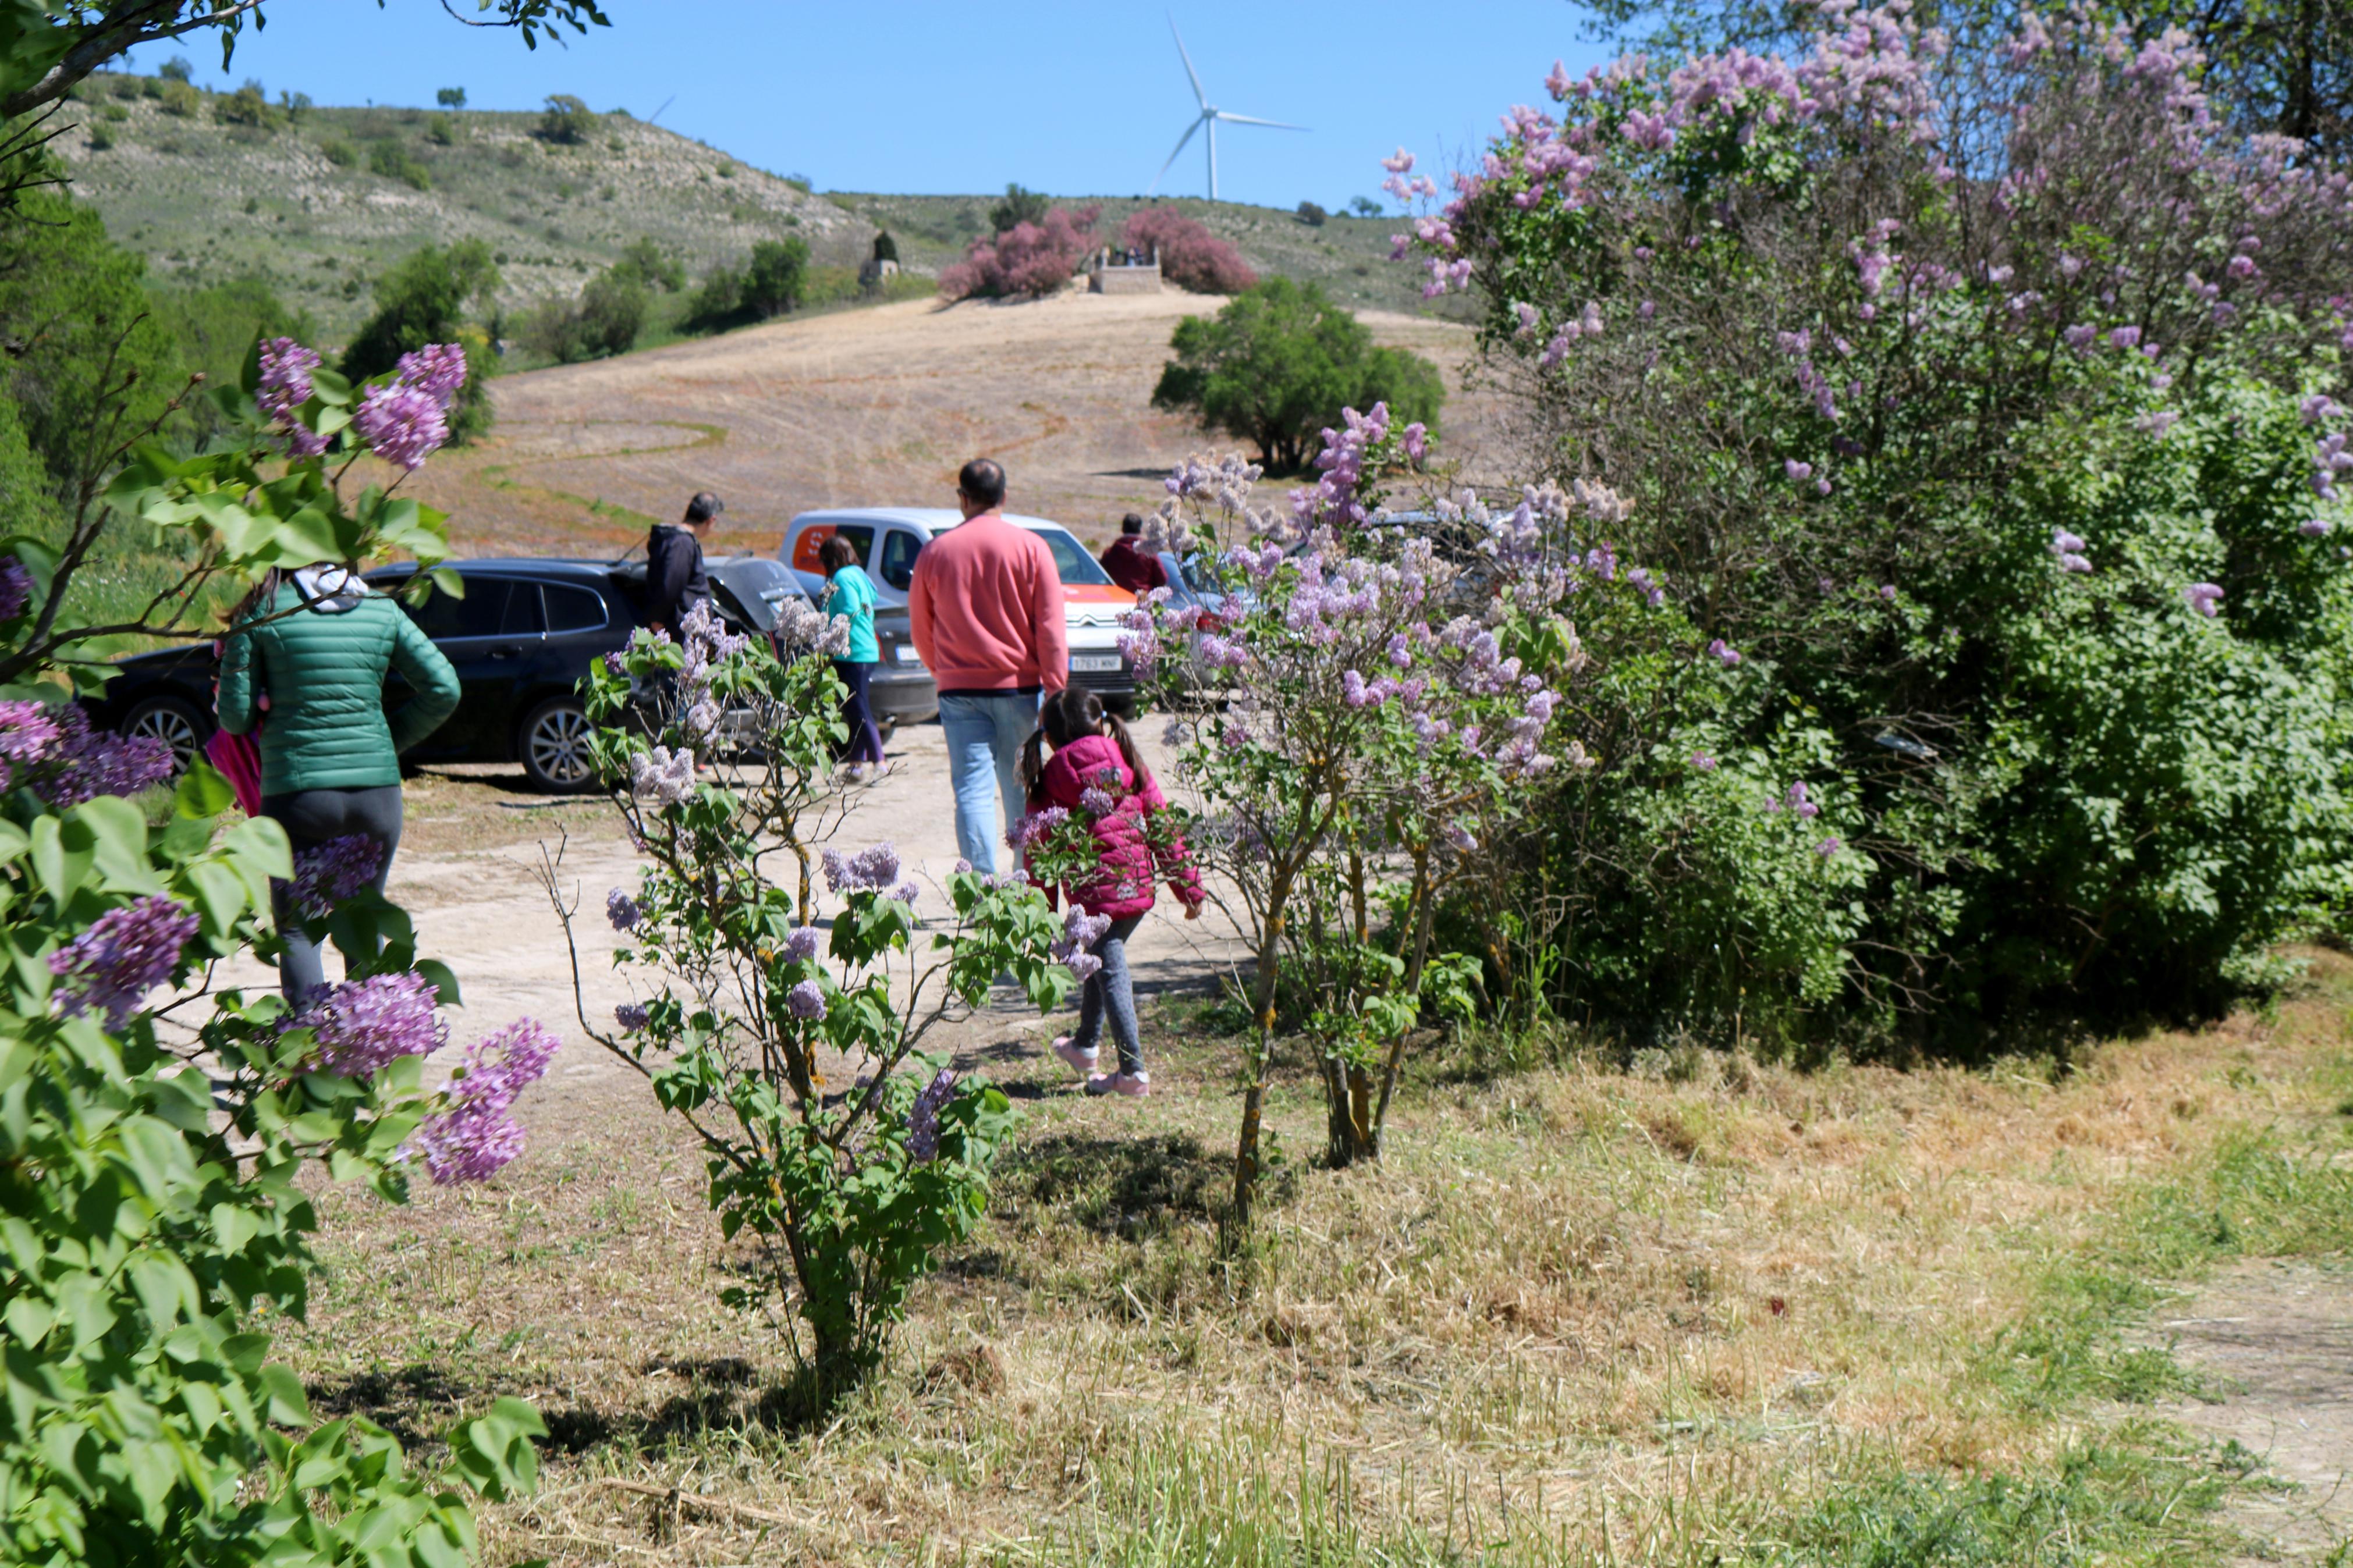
(849, 592)
(312, 649)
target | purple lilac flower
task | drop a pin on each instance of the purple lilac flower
(1703, 761)
(16, 587)
(437, 370)
(27, 734)
(403, 424)
(1798, 801)
(1797, 471)
(924, 1117)
(616, 663)
(622, 910)
(1828, 846)
(906, 892)
(1096, 802)
(802, 944)
(1081, 931)
(665, 774)
(360, 1026)
(1460, 838)
(872, 869)
(326, 876)
(1031, 828)
(125, 955)
(632, 1016)
(2126, 336)
(805, 1001)
(1723, 653)
(963, 868)
(1887, 592)
(2311, 528)
(478, 1135)
(91, 762)
(283, 386)
(2203, 597)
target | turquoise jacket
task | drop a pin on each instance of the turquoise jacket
(323, 664)
(851, 592)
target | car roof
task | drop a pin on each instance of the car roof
(539, 566)
(931, 519)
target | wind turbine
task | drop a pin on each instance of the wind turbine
(1210, 116)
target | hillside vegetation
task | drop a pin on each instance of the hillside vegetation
(319, 221)
(320, 201)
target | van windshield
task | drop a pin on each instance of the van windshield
(1074, 565)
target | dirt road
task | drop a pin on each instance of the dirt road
(468, 871)
(874, 406)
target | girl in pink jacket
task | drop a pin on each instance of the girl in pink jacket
(1096, 776)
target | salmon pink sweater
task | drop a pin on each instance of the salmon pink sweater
(986, 606)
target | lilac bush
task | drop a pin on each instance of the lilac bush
(1971, 394)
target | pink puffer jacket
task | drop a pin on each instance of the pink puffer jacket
(1128, 870)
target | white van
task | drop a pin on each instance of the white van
(888, 538)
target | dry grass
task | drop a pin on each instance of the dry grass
(1579, 1313)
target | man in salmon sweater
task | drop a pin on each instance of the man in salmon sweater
(987, 610)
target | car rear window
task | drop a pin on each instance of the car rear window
(805, 548)
(480, 614)
(571, 609)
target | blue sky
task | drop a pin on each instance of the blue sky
(938, 96)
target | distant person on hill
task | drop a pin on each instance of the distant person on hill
(986, 606)
(312, 649)
(675, 582)
(849, 592)
(1131, 565)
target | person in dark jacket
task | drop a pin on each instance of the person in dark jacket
(312, 650)
(1131, 565)
(675, 582)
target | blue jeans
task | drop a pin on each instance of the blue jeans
(1108, 995)
(985, 731)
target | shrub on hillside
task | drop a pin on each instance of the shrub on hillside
(423, 300)
(566, 121)
(771, 282)
(653, 266)
(180, 99)
(248, 106)
(441, 130)
(339, 152)
(1279, 364)
(1986, 402)
(1020, 206)
(1028, 261)
(606, 319)
(393, 161)
(1190, 256)
(1312, 214)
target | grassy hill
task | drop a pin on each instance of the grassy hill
(316, 202)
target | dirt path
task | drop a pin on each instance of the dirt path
(874, 406)
(469, 874)
(2277, 1341)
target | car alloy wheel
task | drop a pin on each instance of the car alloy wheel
(174, 723)
(555, 745)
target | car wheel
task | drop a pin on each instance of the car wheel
(174, 723)
(554, 745)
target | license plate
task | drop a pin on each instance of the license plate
(1095, 663)
(906, 654)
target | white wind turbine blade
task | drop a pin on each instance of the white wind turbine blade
(1181, 141)
(1191, 74)
(1251, 120)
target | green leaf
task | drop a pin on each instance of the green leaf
(203, 792)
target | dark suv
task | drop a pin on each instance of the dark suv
(520, 639)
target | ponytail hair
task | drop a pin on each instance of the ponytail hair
(1068, 715)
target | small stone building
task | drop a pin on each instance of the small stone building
(1118, 271)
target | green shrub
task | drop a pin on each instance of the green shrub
(101, 138)
(441, 130)
(1280, 361)
(177, 69)
(566, 121)
(339, 152)
(606, 320)
(114, 113)
(180, 99)
(249, 106)
(391, 160)
(772, 281)
(421, 300)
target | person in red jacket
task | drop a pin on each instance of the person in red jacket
(1096, 776)
(987, 609)
(1129, 563)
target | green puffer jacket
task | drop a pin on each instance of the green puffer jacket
(323, 668)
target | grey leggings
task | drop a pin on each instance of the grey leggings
(1109, 990)
(311, 818)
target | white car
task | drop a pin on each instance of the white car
(888, 538)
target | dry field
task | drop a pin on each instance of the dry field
(868, 407)
(1689, 1309)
